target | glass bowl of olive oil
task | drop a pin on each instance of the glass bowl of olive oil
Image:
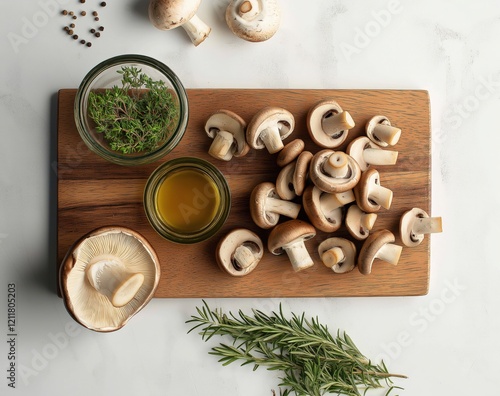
(131, 109)
(187, 200)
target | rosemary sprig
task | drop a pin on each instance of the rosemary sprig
(313, 362)
(135, 117)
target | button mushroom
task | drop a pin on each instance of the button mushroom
(324, 210)
(370, 195)
(253, 20)
(239, 252)
(289, 238)
(367, 153)
(266, 206)
(328, 124)
(379, 245)
(339, 254)
(334, 171)
(269, 127)
(415, 224)
(292, 178)
(290, 152)
(108, 276)
(169, 14)
(359, 223)
(381, 132)
(227, 129)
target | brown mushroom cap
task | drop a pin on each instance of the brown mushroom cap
(364, 191)
(348, 251)
(333, 184)
(327, 222)
(380, 131)
(119, 245)
(266, 206)
(290, 152)
(359, 223)
(239, 252)
(367, 153)
(415, 223)
(230, 123)
(372, 247)
(317, 120)
(269, 127)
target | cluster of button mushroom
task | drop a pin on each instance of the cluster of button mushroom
(333, 187)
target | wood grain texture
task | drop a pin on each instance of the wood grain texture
(94, 193)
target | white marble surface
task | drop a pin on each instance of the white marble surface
(447, 342)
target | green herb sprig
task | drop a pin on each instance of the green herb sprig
(136, 117)
(313, 362)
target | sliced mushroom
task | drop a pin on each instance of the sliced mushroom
(169, 14)
(415, 224)
(227, 129)
(379, 245)
(381, 132)
(289, 238)
(325, 210)
(334, 171)
(339, 254)
(367, 153)
(108, 276)
(292, 178)
(269, 127)
(266, 206)
(370, 195)
(359, 223)
(290, 152)
(328, 124)
(253, 20)
(239, 252)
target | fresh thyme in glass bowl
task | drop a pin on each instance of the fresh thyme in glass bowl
(131, 110)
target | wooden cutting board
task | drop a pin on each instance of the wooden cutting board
(94, 193)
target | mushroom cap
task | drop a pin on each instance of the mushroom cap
(355, 150)
(290, 152)
(371, 247)
(315, 117)
(260, 216)
(287, 233)
(169, 14)
(269, 117)
(362, 190)
(353, 222)
(291, 180)
(408, 237)
(253, 25)
(224, 253)
(370, 126)
(84, 303)
(330, 184)
(312, 206)
(348, 248)
(226, 120)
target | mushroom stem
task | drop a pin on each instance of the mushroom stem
(427, 225)
(109, 277)
(387, 134)
(376, 156)
(389, 253)
(221, 145)
(282, 207)
(272, 139)
(368, 220)
(243, 257)
(333, 256)
(298, 255)
(249, 9)
(381, 196)
(330, 202)
(337, 165)
(334, 123)
(196, 29)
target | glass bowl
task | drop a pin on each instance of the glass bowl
(169, 126)
(187, 200)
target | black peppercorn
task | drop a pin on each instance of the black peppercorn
(75, 37)
(92, 31)
(74, 17)
(65, 12)
(97, 34)
(101, 28)
(82, 41)
(72, 25)
(82, 1)
(70, 32)
(103, 4)
(83, 13)
(95, 13)
(71, 13)
(89, 44)
(66, 28)
(96, 19)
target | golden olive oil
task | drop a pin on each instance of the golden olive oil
(187, 200)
